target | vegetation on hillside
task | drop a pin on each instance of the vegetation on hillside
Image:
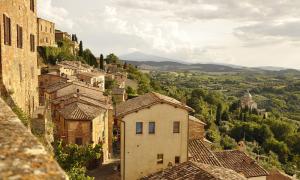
(215, 99)
(64, 51)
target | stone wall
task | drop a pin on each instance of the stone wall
(19, 65)
(46, 32)
(21, 155)
(196, 130)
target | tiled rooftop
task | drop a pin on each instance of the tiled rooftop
(198, 152)
(192, 118)
(145, 101)
(195, 171)
(79, 111)
(241, 163)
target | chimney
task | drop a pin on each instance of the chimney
(242, 146)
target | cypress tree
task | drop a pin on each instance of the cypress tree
(101, 62)
(80, 53)
(219, 114)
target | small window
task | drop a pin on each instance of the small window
(176, 127)
(32, 43)
(78, 140)
(160, 158)
(7, 30)
(32, 5)
(19, 36)
(177, 159)
(77, 90)
(151, 127)
(139, 128)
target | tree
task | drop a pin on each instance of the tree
(80, 52)
(112, 59)
(228, 143)
(101, 62)
(125, 66)
(219, 114)
(89, 58)
(74, 159)
(279, 147)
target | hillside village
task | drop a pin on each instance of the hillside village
(75, 104)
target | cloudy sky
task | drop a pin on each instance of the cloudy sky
(247, 32)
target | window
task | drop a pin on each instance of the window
(139, 128)
(41, 27)
(32, 5)
(77, 90)
(7, 30)
(19, 36)
(176, 127)
(160, 158)
(78, 140)
(151, 127)
(177, 159)
(32, 43)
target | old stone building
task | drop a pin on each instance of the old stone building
(60, 36)
(46, 80)
(18, 55)
(248, 102)
(96, 79)
(45, 32)
(196, 128)
(82, 120)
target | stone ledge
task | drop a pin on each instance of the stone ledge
(21, 154)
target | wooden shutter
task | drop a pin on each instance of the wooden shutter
(19, 36)
(7, 30)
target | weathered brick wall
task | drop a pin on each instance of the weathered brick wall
(196, 130)
(21, 155)
(19, 65)
(46, 80)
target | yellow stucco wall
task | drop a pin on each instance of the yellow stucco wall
(141, 150)
(258, 178)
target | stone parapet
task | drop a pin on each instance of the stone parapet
(21, 154)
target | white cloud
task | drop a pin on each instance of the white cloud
(58, 15)
(220, 31)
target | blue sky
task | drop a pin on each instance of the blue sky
(248, 32)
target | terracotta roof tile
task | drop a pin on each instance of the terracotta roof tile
(241, 163)
(145, 101)
(198, 152)
(79, 111)
(102, 102)
(192, 118)
(195, 171)
(54, 87)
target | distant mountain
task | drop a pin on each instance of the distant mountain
(271, 68)
(151, 62)
(176, 66)
(139, 56)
